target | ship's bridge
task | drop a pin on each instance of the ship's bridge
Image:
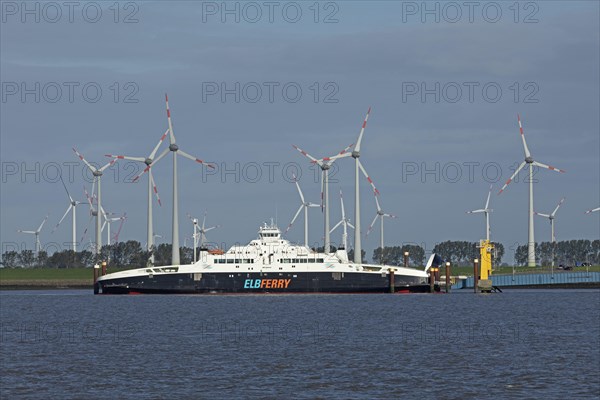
(269, 233)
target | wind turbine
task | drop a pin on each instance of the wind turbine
(486, 211)
(108, 222)
(174, 148)
(530, 162)
(72, 207)
(93, 212)
(551, 218)
(97, 172)
(200, 232)
(345, 222)
(151, 188)
(38, 245)
(325, 164)
(303, 205)
(593, 210)
(357, 168)
(381, 215)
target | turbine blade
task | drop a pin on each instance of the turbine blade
(512, 177)
(377, 202)
(350, 225)
(42, 224)
(372, 223)
(542, 215)
(65, 186)
(475, 211)
(114, 160)
(362, 130)
(63, 217)
(592, 210)
(341, 154)
(186, 155)
(487, 203)
(154, 188)
(162, 138)
(299, 191)
(294, 219)
(527, 153)
(171, 134)
(311, 158)
(390, 215)
(539, 164)
(558, 206)
(119, 157)
(375, 191)
(342, 204)
(335, 227)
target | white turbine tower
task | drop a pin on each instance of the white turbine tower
(357, 168)
(38, 245)
(97, 172)
(174, 148)
(151, 188)
(530, 162)
(592, 210)
(381, 215)
(325, 164)
(303, 205)
(486, 211)
(551, 217)
(345, 223)
(73, 208)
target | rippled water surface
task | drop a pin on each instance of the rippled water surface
(518, 344)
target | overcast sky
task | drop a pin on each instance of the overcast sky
(325, 65)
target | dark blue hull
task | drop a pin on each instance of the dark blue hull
(307, 282)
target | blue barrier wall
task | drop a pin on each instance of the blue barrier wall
(535, 279)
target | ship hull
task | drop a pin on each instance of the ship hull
(254, 283)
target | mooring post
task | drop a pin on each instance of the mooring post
(475, 274)
(432, 279)
(406, 259)
(392, 283)
(447, 276)
(96, 272)
(103, 268)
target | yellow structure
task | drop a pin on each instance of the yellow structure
(486, 249)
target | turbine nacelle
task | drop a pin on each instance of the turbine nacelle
(148, 161)
(529, 160)
(173, 147)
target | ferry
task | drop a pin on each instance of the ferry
(268, 264)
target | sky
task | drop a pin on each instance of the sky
(247, 80)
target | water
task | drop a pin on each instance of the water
(518, 344)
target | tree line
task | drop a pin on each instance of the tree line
(567, 252)
(131, 254)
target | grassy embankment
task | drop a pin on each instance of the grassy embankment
(47, 277)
